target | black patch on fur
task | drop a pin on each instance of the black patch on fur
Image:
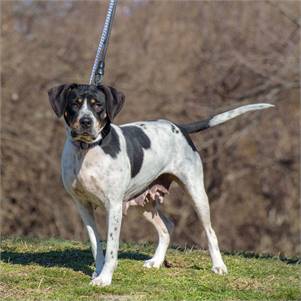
(174, 129)
(110, 144)
(136, 141)
(143, 125)
(195, 127)
(188, 139)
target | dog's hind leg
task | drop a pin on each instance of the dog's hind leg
(87, 214)
(192, 178)
(164, 227)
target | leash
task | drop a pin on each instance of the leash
(99, 66)
(99, 63)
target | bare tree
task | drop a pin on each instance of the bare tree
(181, 60)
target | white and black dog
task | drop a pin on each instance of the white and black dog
(132, 164)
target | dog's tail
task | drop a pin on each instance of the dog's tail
(197, 126)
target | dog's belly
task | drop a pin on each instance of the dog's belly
(153, 193)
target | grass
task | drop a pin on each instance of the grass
(54, 269)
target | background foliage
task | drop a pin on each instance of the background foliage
(180, 60)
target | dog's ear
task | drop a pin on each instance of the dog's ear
(58, 98)
(114, 101)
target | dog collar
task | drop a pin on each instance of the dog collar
(84, 145)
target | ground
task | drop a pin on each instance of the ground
(35, 269)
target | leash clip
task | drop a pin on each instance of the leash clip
(99, 73)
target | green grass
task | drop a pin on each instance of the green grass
(54, 269)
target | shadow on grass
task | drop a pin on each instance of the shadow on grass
(78, 260)
(249, 254)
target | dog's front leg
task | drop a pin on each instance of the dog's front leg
(114, 217)
(87, 214)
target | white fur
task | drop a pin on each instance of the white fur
(93, 178)
(223, 117)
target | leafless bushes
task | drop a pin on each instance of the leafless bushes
(179, 60)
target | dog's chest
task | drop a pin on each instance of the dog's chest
(83, 177)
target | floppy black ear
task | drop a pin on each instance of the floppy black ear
(57, 97)
(114, 101)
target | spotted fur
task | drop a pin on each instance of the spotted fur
(129, 165)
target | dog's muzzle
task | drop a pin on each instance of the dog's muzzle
(87, 132)
(85, 140)
(86, 122)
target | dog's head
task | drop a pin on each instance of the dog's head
(86, 108)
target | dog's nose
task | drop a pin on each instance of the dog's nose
(85, 122)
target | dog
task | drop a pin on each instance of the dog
(130, 165)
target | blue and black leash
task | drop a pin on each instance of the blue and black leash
(97, 73)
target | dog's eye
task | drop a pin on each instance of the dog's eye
(76, 103)
(75, 106)
(98, 108)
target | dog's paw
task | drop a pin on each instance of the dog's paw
(101, 280)
(152, 263)
(220, 270)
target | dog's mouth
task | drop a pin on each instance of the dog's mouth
(87, 136)
(84, 136)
